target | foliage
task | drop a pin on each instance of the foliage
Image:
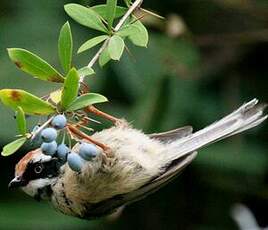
(70, 98)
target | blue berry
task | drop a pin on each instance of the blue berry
(49, 134)
(88, 151)
(49, 148)
(75, 162)
(62, 152)
(59, 122)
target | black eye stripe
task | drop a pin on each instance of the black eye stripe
(40, 170)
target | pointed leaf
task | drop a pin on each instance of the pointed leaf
(116, 47)
(13, 147)
(141, 38)
(86, 100)
(21, 121)
(110, 12)
(65, 47)
(128, 30)
(85, 16)
(102, 11)
(70, 89)
(104, 57)
(30, 104)
(91, 43)
(85, 71)
(34, 65)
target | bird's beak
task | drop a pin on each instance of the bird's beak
(17, 182)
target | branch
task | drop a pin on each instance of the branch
(97, 55)
(131, 9)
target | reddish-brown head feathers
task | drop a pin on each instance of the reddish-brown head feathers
(22, 164)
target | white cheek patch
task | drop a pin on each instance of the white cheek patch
(32, 187)
(42, 158)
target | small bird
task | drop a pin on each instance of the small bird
(139, 165)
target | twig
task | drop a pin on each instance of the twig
(93, 120)
(131, 9)
(97, 55)
(94, 110)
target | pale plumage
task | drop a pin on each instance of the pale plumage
(140, 165)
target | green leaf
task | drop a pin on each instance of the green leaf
(65, 47)
(110, 12)
(116, 47)
(141, 38)
(104, 57)
(136, 32)
(30, 104)
(128, 30)
(86, 100)
(21, 121)
(13, 147)
(85, 16)
(91, 43)
(70, 88)
(85, 71)
(34, 65)
(102, 11)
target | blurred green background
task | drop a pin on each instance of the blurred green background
(203, 61)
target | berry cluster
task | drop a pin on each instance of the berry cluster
(64, 153)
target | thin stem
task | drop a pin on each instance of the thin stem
(81, 126)
(69, 139)
(131, 9)
(94, 110)
(41, 128)
(97, 55)
(93, 120)
(63, 139)
(71, 134)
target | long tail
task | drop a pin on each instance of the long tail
(247, 116)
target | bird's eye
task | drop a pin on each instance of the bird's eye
(38, 169)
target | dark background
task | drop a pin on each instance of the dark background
(214, 62)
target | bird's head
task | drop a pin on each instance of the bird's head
(35, 173)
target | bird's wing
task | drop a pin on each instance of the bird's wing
(172, 135)
(168, 174)
(110, 205)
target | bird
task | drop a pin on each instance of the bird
(140, 164)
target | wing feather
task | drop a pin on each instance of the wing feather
(172, 135)
(110, 205)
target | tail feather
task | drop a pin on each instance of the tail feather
(246, 117)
